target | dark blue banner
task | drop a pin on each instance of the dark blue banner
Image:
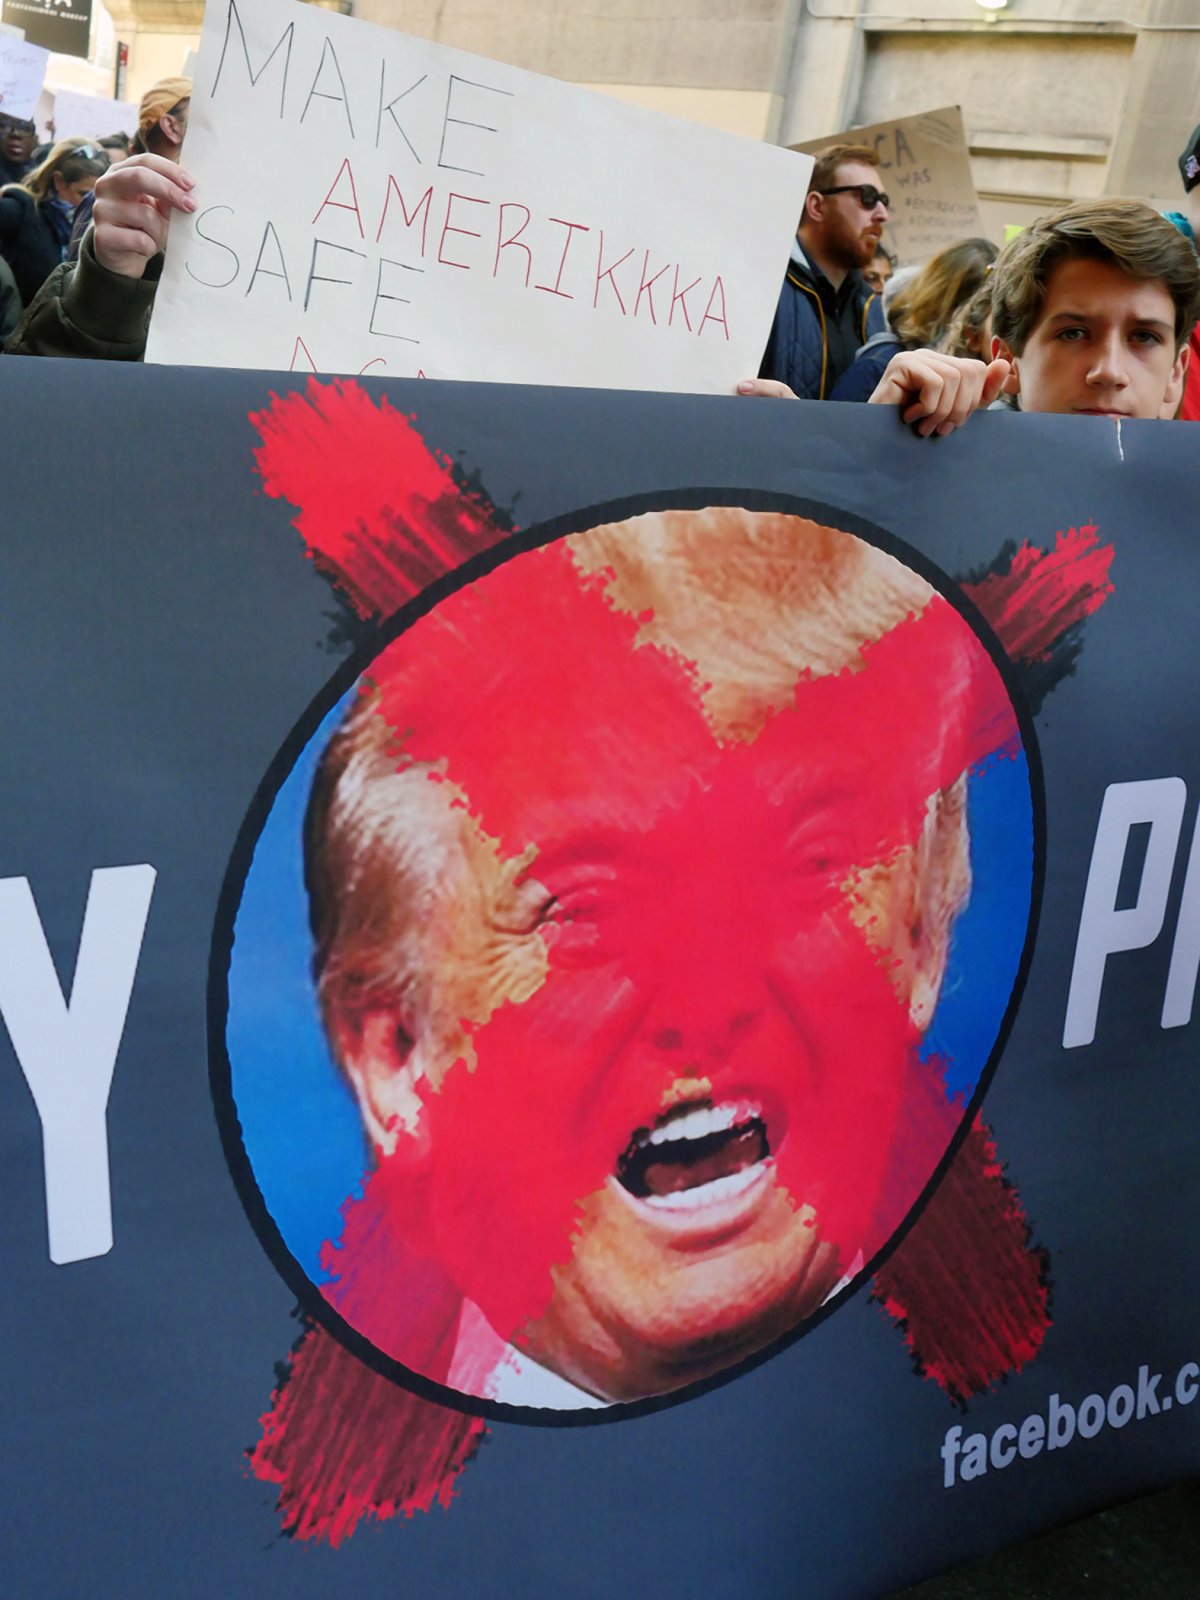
(596, 986)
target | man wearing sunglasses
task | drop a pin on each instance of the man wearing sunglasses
(827, 309)
(17, 140)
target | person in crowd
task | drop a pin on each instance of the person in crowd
(827, 309)
(1188, 223)
(17, 139)
(920, 312)
(100, 304)
(36, 215)
(880, 270)
(117, 145)
(162, 124)
(1092, 310)
(10, 302)
(969, 331)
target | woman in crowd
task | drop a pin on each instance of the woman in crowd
(969, 332)
(920, 312)
(36, 214)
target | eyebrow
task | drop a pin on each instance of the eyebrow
(1091, 316)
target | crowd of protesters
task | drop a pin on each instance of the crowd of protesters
(83, 228)
(1092, 309)
(47, 191)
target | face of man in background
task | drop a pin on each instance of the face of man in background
(692, 970)
(17, 140)
(877, 273)
(848, 232)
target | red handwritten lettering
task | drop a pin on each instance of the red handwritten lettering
(607, 272)
(679, 297)
(503, 244)
(448, 227)
(572, 228)
(718, 291)
(296, 349)
(422, 204)
(646, 287)
(341, 205)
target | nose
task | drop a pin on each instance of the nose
(709, 1000)
(1108, 368)
(704, 1041)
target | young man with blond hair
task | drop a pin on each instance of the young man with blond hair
(827, 310)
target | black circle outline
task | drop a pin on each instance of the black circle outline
(312, 1302)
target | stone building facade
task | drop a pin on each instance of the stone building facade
(1062, 99)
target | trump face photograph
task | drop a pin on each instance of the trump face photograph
(638, 878)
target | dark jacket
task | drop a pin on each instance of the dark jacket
(861, 377)
(10, 301)
(80, 225)
(83, 309)
(33, 238)
(818, 328)
(14, 172)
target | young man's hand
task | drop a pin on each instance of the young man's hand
(938, 393)
(770, 388)
(133, 205)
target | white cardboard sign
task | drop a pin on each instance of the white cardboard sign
(90, 116)
(370, 202)
(22, 69)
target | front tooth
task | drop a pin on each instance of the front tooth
(696, 1124)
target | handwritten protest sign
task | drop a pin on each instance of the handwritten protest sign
(89, 116)
(926, 170)
(371, 202)
(22, 69)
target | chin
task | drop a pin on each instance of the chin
(630, 1319)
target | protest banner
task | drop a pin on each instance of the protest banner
(22, 70)
(809, 836)
(90, 116)
(60, 25)
(925, 167)
(431, 213)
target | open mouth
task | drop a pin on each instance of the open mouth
(694, 1155)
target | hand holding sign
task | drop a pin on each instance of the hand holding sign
(133, 207)
(938, 392)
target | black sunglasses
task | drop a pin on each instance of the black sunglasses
(15, 125)
(868, 195)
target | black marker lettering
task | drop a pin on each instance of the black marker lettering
(396, 299)
(315, 277)
(465, 122)
(266, 272)
(388, 108)
(329, 53)
(208, 239)
(284, 38)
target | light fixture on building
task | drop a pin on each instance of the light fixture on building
(992, 5)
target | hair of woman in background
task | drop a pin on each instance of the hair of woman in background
(36, 214)
(920, 311)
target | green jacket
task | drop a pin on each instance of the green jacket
(83, 309)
